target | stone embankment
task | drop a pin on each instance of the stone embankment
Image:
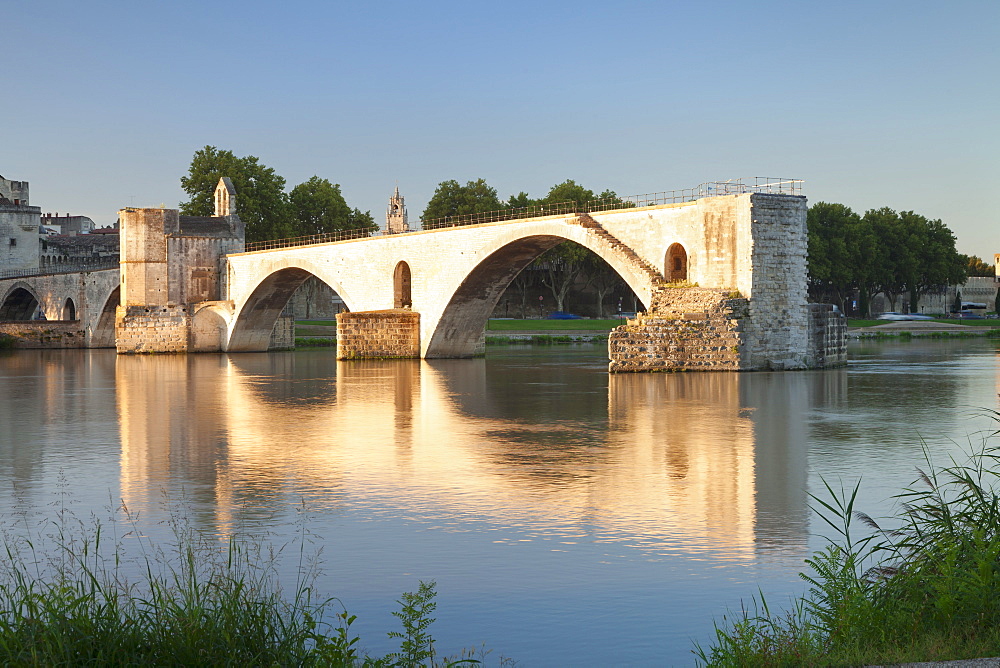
(45, 333)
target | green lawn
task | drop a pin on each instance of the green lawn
(971, 323)
(858, 322)
(600, 325)
(328, 327)
(554, 325)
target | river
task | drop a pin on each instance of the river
(568, 517)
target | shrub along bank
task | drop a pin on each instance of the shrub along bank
(200, 602)
(922, 586)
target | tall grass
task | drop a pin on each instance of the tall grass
(923, 585)
(76, 596)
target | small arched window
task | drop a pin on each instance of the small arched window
(401, 286)
(69, 310)
(676, 264)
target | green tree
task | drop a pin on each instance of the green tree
(318, 207)
(936, 263)
(844, 254)
(569, 191)
(833, 273)
(898, 258)
(868, 261)
(561, 266)
(452, 199)
(522, 282)
(261, 200)
(603, 278)
(975, 266)
(520, 201)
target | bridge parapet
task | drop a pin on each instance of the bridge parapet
(755, 185)
(66, 268)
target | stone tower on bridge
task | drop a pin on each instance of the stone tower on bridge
(171, 265)
(395, 215)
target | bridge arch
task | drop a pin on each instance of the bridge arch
(459, 328)
(103, 333)
(20, 303)
(255, 316)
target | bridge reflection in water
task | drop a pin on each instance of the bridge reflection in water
(562, 452)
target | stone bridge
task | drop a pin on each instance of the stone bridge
(723, 279)
(78, 308)
(753, 244)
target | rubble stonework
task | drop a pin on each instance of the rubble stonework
(688, 329)
(45, 333)
(714, 329)
(392, 333)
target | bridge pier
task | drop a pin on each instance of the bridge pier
(388, 334)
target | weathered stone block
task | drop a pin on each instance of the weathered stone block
(391, 333)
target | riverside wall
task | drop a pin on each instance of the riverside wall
(45, 333)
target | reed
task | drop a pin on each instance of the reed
(77, 598)
(920, 586)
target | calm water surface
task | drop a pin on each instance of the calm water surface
(569, 517)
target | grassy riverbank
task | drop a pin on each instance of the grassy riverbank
(200, 601)
(544, 339)
(320, 333)
(858, 322)
(499, 325)
(920, 586)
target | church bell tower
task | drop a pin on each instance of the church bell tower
(395, 215)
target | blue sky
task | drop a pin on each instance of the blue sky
(872, 103)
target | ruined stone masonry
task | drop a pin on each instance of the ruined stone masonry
(687, 329)
(773, 328)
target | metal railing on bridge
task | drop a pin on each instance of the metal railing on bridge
(63, 268)
(758, 184)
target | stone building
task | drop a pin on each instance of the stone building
(79, 249)
(68, 225)
(170, 264)
(395, 215)
(19, 223)
(941, 300)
